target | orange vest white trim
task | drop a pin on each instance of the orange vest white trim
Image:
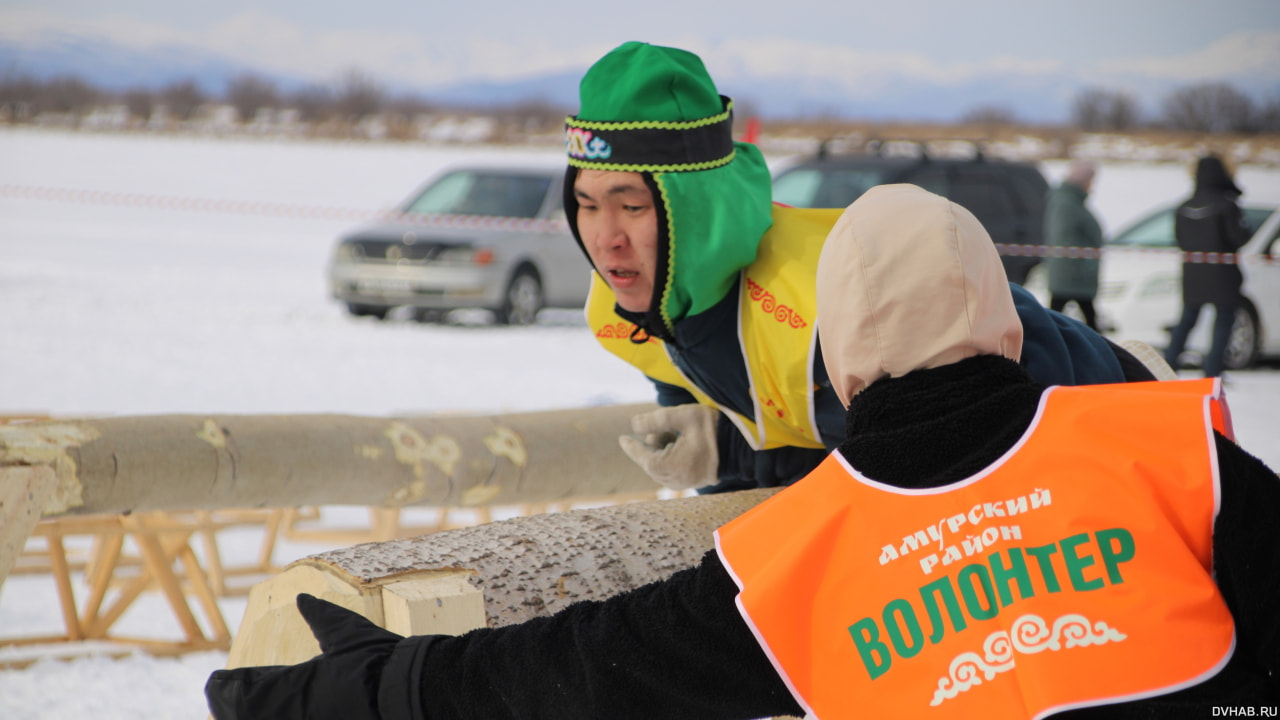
(1076, 571)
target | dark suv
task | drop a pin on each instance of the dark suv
(1007, 197)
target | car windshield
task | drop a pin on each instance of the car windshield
(824, 188)
(1156, 230)
(471, 192)
(1152, 231)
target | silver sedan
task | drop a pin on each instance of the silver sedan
(475, 237)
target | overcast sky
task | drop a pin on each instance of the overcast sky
(434, 42)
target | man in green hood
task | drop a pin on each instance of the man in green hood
(715, 194)
(707, 287)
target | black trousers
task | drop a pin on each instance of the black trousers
(1058, 302)
(1223, 322)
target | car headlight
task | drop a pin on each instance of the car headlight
(1112, 290)
(345, 252)
(1160, 285)
(466, 256)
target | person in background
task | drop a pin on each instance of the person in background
(707, 287)
(1209, 222)
(979, 546)
(1068, 223)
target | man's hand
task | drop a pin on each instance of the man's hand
(676, 445)
(342, 682)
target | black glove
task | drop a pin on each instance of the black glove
(342, 682)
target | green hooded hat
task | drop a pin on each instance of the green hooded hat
(655, 110)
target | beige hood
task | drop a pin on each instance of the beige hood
(909, 280)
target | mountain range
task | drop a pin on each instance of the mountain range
(1045, 97)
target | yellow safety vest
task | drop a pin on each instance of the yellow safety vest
(777, 331)
(1074, 572)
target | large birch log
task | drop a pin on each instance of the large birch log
(197, 462)
(492, 575)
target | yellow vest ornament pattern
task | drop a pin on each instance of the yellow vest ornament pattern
(777, 332)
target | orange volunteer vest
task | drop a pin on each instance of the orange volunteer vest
(1074, 572)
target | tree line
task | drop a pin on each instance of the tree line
(351, 98)
(1210, 107)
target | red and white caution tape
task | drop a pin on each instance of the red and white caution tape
(242, 207)
(1208, 258)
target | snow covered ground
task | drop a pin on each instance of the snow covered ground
(116, 301)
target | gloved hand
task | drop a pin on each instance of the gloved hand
(676, 445)
(342, 682)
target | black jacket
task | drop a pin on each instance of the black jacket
(679, 649)
(1211, 222)
(1056, 350)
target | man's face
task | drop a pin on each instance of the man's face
(619, 227)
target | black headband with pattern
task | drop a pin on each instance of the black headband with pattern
(651, 145)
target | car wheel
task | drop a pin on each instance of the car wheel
(1242, 348)
(373, 311)
(428, 315)
(523, 299)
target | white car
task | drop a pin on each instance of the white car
(474, 237)
(1140, 288)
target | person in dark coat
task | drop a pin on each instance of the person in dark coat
(929, 411)
(1073, 276)
(1210, 221)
